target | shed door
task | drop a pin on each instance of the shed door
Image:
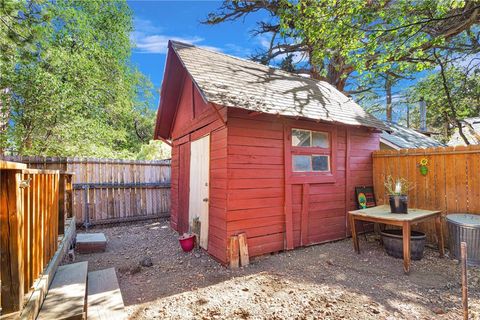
(199, 180)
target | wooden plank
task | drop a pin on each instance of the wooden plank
(11, 222)
(105, 300)
(62, 203)
(243, 246)
(304, 214)
(234, 253)
(66, 296)
(287, 161)
(12, 165)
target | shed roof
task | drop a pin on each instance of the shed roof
(234, 82)
(403, 137)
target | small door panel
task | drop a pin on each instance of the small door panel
(199, 185)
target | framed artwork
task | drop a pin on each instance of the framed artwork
(365, 197)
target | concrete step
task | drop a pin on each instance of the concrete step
(66, 296)
(91, 242)
(104, 299)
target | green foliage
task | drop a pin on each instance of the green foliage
(154, 150)
(72, 90)
(397, 186)
(464, 86)
(374, 37)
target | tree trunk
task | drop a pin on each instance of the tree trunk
(456, 121)
(388, 92)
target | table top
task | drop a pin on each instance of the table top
(383, 212)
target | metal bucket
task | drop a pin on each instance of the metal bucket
(393, 243)
(464, 227)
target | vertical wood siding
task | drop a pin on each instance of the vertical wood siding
(109, 200)
(452, 183)
(194, 119)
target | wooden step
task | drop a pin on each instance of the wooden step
(91, 242)
(66, 296)
(104, 296)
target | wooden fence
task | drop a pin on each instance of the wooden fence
(112, 190)
(452, 183)
(29, 228)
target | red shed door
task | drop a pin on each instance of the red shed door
(199, 185)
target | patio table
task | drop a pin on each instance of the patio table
(382, 214)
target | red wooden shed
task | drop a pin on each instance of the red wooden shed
(261, 151)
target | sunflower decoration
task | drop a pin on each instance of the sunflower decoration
(423, 167)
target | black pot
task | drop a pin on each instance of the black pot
(398, 204)
(393, 243)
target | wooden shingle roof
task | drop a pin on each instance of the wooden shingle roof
(235, 82)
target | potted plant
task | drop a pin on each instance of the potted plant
(397, 190)
(187, 241)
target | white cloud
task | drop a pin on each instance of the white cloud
(158, 43)
(146, 26)
(150, 38)
(264, 40)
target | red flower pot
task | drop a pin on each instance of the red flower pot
(187, 242)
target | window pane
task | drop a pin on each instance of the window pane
(320, 163)
(302, 163)
(320, 139)
(300, 138)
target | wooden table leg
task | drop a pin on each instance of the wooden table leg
(406, 246)
(438, 227)
(356, 245)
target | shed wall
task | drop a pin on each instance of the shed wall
(274, 207)
(193, 120)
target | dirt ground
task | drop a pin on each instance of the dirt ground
(327, 281)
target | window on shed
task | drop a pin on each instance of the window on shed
(310, 151)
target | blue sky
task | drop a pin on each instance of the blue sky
(158, 21)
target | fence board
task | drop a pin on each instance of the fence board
(29, 229)
(452, 183)
(112, 203)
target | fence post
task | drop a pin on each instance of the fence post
(69, 195)
(11, 244)
(61, 203)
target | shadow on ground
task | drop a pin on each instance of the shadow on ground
(324, 281)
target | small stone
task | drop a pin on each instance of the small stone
(197, 255)
(438, 310)
(330, 262)
(375, 311)
(146, 262)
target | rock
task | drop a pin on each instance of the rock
(374, 310)
(330, 262)
(438, 310)
(197, 255)
(146, 262)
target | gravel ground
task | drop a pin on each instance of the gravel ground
(326, 281)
